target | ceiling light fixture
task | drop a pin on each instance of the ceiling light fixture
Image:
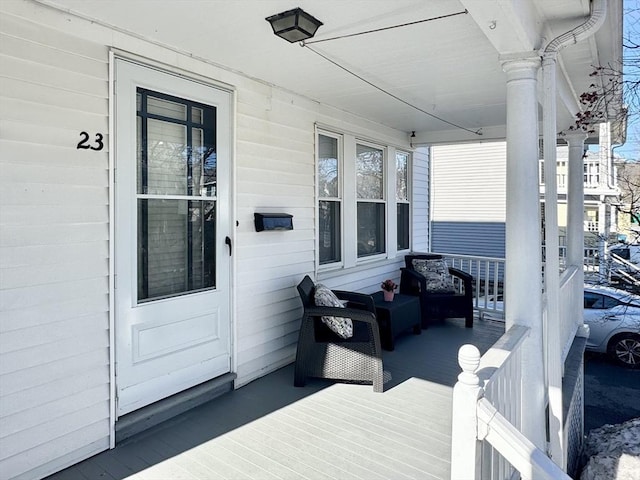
(294, 25)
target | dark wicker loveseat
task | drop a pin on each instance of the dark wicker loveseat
(438, 305)
(323, 354)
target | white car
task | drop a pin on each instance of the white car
(613, 317)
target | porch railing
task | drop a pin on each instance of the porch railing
(591, 259)
(560, 334)
(570, 296)
(487, 442)
(488, 274)
(500, 391)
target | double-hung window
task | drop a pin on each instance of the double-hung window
(329, 193)
(402, 200)
(364, 200)
(371, 203)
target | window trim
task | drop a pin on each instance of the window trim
(347, 149)
(340, 198)
(403, 202)
(383, 201)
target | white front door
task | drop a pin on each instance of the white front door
(172, 227)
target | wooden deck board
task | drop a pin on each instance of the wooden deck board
(347, 456)
(271, 430)
(305, 455)
(347, 436)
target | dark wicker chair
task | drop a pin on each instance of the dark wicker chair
(438, 305)
(323, 354)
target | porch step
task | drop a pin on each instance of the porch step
(135, 422)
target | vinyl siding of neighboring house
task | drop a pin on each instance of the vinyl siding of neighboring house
(468, 198)
(460, 238)
(468, 204)
(56, 400)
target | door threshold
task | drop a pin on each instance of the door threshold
(140, 420)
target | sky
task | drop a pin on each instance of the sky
(631, 149)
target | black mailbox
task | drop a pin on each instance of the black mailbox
(273, 221)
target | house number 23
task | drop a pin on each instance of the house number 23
(86, 143)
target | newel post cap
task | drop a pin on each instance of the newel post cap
(469, 360)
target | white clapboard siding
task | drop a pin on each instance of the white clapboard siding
(54, 214)
(366, 279)
(276, 173)
(420, 200)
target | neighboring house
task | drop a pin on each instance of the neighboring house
(628, 176)
(468, 199)
(601, 190)
(138, 140)
(601, 196)
(480, 212)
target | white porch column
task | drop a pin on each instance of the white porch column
(602, 219)
(523, 282)
(552, 321)
(575, 200)
(575, 216)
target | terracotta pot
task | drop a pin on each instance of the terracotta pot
(388, 296)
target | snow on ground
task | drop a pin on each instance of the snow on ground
(613, 452)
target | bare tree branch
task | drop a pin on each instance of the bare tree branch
(612, 82)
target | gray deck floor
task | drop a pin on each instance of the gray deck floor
(269, 429)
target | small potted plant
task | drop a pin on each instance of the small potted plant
(388, 288)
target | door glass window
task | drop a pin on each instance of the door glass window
(176, 195)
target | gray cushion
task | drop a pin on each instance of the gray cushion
(324, 297)
(437, 274)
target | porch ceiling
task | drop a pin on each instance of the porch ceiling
(449, 67)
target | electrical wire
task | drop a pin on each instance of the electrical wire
(392, 95)
(464, 12)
